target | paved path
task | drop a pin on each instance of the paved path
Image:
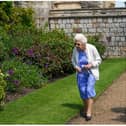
(110, 107)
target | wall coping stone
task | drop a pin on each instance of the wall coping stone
(81, 13)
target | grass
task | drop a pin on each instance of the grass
(59, 101)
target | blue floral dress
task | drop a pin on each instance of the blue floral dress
(85, 79)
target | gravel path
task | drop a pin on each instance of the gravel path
(110, 107)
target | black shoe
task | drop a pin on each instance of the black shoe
(88, 118)
(83, 114)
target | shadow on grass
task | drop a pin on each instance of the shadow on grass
(73, 105)
(122, 116)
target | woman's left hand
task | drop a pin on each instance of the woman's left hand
(88, 66)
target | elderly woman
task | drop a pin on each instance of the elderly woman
(86, 60)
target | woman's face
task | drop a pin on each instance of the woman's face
(80, 46)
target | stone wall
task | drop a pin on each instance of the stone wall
(109, 23)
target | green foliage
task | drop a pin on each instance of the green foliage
(2, 51)
(21, 75)
(3, 34)
(5, 11)
(54, 58)
(4, 38)
(21, 37)
(60, 46)
(2, 90)
(49, 50)
(21, 16)
(12, 16)
(95, 41)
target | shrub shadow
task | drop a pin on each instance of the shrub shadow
(122, 116)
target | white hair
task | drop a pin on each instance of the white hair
(80, 37)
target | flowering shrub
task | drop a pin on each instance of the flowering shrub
(51, 58)
(22, 75)
(49, 50)
(2, 90)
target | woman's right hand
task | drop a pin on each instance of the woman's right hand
(78, 69)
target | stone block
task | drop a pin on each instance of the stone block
(71, 21)
(62, 25)
(89, 25)
(113, 39)
(52, 26)
(98, 30)
(81, 21)
(124, 20)
(84, 26)
(123, 39)
(92, 30)
(110, 20)
(67, 20)
(123, 25)
(99, 20)
(64, 21)
(80, 25)
(68, 26)
(84, 30)
(86, 21)
(117, 39)
(52, 21)
(60, 21)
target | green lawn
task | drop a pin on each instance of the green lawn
(57, 102)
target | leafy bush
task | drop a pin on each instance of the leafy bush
(5, 11)
(3, 46)
(2, 90)
(2, 51)
(49, 50)
(52, 54)
(53, 58)
(21, 37)
(12, 16)
(95, 41)
(22, 75)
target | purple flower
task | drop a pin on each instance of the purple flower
(15, 51)
(30, 53)
(46, 65)
(16, 82)
(10, 72)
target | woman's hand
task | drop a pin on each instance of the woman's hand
(78, 69)
(88, 66)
